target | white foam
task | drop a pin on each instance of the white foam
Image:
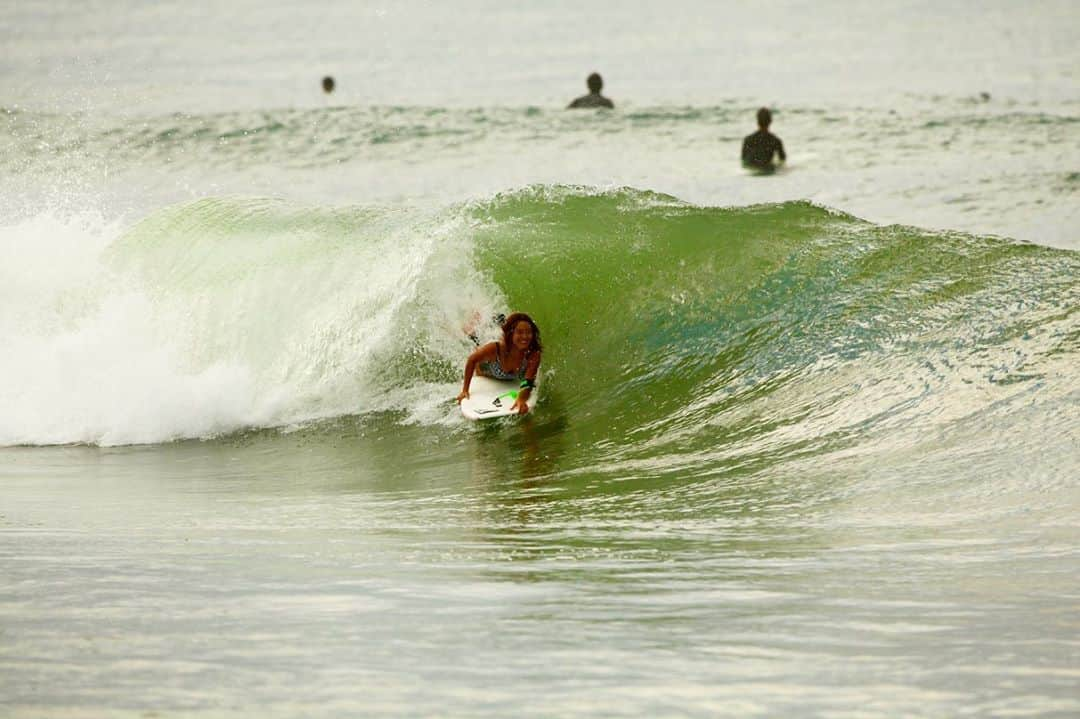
(170, 332)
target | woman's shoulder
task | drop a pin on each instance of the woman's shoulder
(489, 349)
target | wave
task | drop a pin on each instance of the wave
(780, 328)
(676, 335)
(40, 142)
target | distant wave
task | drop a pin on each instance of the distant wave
(322, 137)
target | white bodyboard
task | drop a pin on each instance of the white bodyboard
(490, 398)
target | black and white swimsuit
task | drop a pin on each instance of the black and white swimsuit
(494, 369)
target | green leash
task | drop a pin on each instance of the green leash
(512, 394)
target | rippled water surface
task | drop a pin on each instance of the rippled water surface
(806, 444)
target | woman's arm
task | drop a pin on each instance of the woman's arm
(531, 369)
(484, 353)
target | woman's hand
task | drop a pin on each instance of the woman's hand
(464, 395)
(521, 404)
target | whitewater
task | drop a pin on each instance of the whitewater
(806, 445)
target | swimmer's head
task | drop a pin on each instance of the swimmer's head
(328, 84)
(594, 82)
(764, 118)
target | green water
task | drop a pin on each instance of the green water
(785, 462)
(806, 443)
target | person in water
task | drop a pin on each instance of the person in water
(515, 357)
(758, 149)
(328, 84)
(594, 99)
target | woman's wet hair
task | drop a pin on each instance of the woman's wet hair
(512, 322)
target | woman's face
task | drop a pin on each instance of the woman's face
(523, 335)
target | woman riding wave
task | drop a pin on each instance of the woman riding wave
(515, 357)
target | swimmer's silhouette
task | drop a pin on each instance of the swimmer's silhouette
(328, 84)
(758, 149)
(594, 98)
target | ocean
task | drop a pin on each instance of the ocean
(807, 444)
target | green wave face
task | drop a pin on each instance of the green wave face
(678, 338)
(688, 337)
